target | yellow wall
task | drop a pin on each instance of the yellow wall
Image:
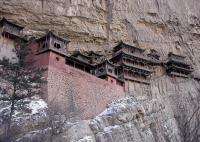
(6, 48)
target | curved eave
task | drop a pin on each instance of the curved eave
(179, 68)
(144, 59)
(50, 49)
(73, 59)
(51, 34)
(5, 21)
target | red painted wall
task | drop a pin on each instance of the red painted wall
(41, 60)
(73, 91)
(56, 61)
(112, 81)
(80, 93)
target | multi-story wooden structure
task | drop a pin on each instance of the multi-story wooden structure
(49, 50)
(96, 58)
(154, 55)
(106, 70)
(9, 29)
(128, 62)
(81, 61)
(52, 42)
(177, 66)
(132, 63)
(156, 64)
(85, 62)
(9, 33)
(70, 87)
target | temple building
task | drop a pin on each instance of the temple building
(156, 64)
(128, 63)
(81, 61)
(85, 82)
(49, 50)
(85, 62)
(154, 55)
(104, 69)
(52, 42)
(107, 70)
(132, 63)
(9, 33)
(96, 58)
(177, 66)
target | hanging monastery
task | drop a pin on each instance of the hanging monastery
(83, 83)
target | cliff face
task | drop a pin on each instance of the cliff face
(166, 25)
(158, 117)
(157, 111)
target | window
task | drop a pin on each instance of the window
(119, 83)
(101, 70)
(57, 59)
(57, 45)
(111, 81)
(44, 45)
(110, 70)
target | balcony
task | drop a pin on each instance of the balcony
(178, 74)
(134, 78)
(11, 32)
(134, 54)
(177, 60)
(138, 66)
(190, 69)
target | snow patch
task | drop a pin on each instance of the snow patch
(116, 106)
(24, 109)
(4, 109)
(86, 139)
(110, 128)
(37, 105)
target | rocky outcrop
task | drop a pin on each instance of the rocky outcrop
(150, 118)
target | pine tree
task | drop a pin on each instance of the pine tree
(21, 78)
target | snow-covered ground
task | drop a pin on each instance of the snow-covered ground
(24, 109)
(86, 139)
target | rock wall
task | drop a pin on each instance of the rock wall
(165, 25)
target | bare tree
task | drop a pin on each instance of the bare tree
(59, 117)
(23, 79)
(56, 122)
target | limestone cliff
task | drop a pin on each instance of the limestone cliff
(155, 112)
(165, 25)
